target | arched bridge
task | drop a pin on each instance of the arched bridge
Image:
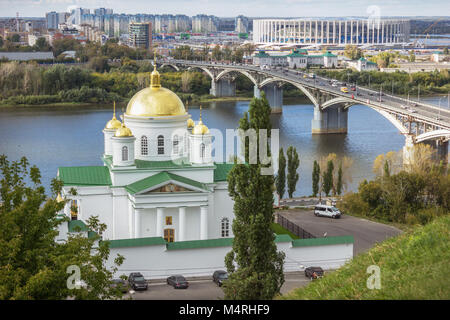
(418, 121)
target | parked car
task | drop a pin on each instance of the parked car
(219, 276)
(326, 211)
(178, 282)
(137, 282)
(314, 272)
(120, 284)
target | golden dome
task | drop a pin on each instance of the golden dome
(59, 198)
(190, 122)
(113, 124)
(200, 128)
(123, 131)
(155, 101)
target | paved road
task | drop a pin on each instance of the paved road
(366, 233)
(206, 289)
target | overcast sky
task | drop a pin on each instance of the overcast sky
(230, 8)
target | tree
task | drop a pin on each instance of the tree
(186, 79)
(339, 180)
(280, 180)
(217, 53)
(33, 265)
(293, 176)
(387, 171)
(255, 267)
(328, 178)
(352, 52)
(315, 178)
(1, 42)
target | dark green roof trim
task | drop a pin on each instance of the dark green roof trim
(283, 238)
(139, 242)
(77, 226)
(221, 171)
(262, 54)
(159, 178)
(85, 176)
(169, 164)
(199, 244)
(322, 241)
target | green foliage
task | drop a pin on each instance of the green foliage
(280, 180)
(407, 197)
(328, 178)
(33, 265)
(352, 52)
(278, 229)
(339, 180)
(413, 266)
(293, 164)
(254, 265)
(315, 178)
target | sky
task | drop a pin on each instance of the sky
(231, 8)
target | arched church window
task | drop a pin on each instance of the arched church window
(176, 143)
(144, 146)
(125, 153)
(160, 144)
(74, 209)
(202, 150)
(225, 226)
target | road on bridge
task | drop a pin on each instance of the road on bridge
(422, 112)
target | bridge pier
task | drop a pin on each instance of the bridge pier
(274, 94)
(441, 148)
(329, 120)
(223, 88)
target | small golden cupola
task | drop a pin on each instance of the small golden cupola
(200, 128)
(190, 122)
(113, 124)
(123, 131)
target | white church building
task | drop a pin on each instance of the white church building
(158, 178)
(164, 201)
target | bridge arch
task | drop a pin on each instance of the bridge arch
(245, 73)
(298, 86)
(210, 74)
(435, 134)
(170, 65)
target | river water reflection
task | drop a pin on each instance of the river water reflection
(53, 137)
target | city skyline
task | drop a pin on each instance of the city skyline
(251, 8)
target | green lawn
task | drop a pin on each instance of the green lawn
(280, 230)
(414, 265)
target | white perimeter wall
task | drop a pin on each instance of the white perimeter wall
(155, 262)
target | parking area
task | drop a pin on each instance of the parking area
(205, 289)
(366, 233)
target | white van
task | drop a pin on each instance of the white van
(327, 211)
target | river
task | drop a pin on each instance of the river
(53, 137)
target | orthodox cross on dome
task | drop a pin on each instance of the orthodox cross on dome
(154, 77)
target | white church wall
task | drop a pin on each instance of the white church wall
(223, 208)
(192, 223)
(156, 262)
(121, 215)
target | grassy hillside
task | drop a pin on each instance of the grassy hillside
(414, 265)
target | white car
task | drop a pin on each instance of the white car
(326, 211)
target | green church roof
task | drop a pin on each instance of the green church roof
(85, 176)
(322, 241)
(159, 178)
(221, 171)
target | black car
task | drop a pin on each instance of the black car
(314, 272)
(137, 282)
(219, 276)
(178, 282)
(120, 284)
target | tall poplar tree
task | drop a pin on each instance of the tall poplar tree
(339, 180)
(293, 176)
(254, 265)
(280, 180)
(315, 178)
(328, 178)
